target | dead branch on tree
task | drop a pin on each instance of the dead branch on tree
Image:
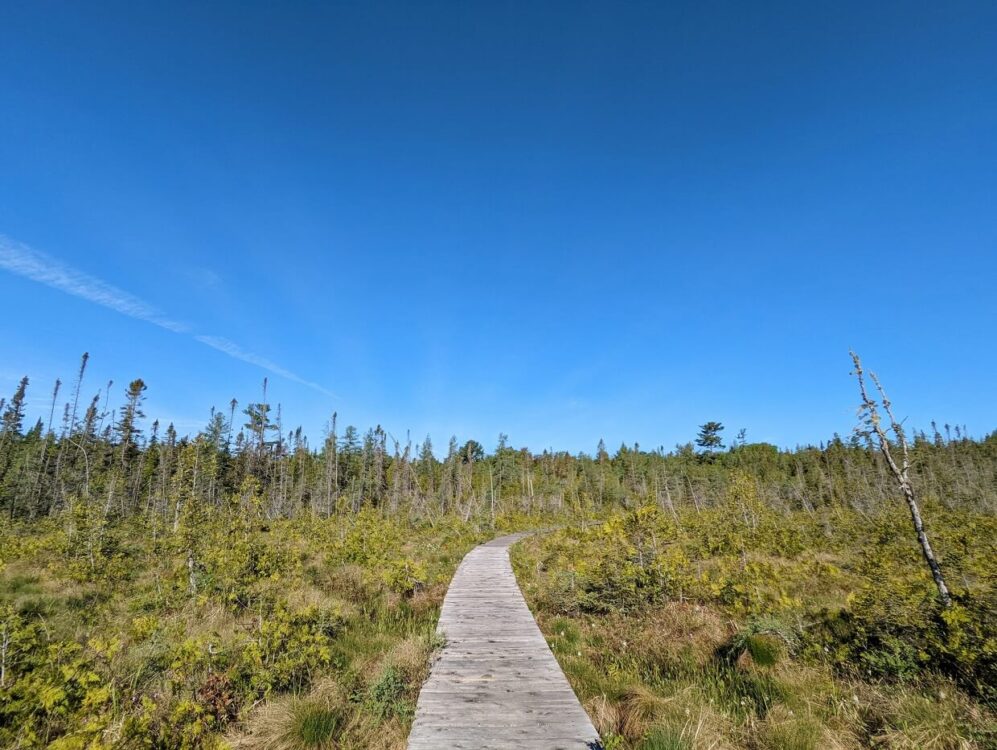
(901, 471)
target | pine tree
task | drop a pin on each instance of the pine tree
(427, 466)
(188, 508)
(217, 430)
(127, 426)
(330, 466)
(709, 437)
(258, 423)
(11, 424)
(471, 451)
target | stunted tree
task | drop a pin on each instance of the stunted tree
(189, 515)
(874, 431)
(427, 466)
(259, 424)
(127, 427)
(76, 391)
(450, 484)
(13, 416)
(331, 465)
(217, 430)
(472, 451)
(11, 424)
(231, 424)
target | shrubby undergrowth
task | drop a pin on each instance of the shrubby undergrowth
(284, 633)
(241, 587)
(741, 626)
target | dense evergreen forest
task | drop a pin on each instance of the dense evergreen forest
(245, 587)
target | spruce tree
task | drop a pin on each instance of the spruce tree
(11, 424)
(709, 437)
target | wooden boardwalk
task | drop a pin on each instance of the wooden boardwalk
(496, 684)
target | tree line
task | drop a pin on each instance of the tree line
(108, 461)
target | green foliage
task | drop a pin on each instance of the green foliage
(163, 591)
(286, 649)
(709, 438)
(764, 640)
(404, 576)
(763, 615)
(664, 739)
(384, 698)
(371, 538)
(273, 614)
(316, 726)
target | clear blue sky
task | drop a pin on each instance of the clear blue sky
(559, 221)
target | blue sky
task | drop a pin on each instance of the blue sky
(559, 221)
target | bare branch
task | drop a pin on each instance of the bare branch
(901, 473)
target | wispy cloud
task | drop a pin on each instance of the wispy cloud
(22, 260)
(234, 350)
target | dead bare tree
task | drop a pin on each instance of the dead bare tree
(869, 412)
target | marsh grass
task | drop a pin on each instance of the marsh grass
(296, 723)
(670, 653)
(664, 738)
(294, 639)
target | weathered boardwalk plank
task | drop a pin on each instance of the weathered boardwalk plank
(496, 685)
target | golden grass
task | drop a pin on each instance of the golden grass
(312, 722)
(919, 722)
(682, 634)
(411, 658)
(428, 599)
(639, 709)
(783, 729)
(695, 724)
(655, 679)
(604, 714)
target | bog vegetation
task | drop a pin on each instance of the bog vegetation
(241, 587)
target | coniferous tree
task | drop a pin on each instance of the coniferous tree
(11, 424)
(127, 427)
(709, 438)
(330, 464)
(427, 467)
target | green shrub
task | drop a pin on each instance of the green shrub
(385, 696)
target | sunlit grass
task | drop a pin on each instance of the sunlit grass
(695, 673)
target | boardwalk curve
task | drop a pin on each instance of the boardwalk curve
(496, 684)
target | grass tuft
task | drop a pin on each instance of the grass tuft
(665, 738)
(783, 730)
(639, 709)
(309, 723)
(604, 714)
(316, 726)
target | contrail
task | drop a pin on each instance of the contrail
(31, 264)
(236, 352)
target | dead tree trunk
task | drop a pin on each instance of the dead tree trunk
(901, 471)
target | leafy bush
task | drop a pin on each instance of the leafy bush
(812, 609)
(206, 630)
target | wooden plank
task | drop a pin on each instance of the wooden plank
(496, 685)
